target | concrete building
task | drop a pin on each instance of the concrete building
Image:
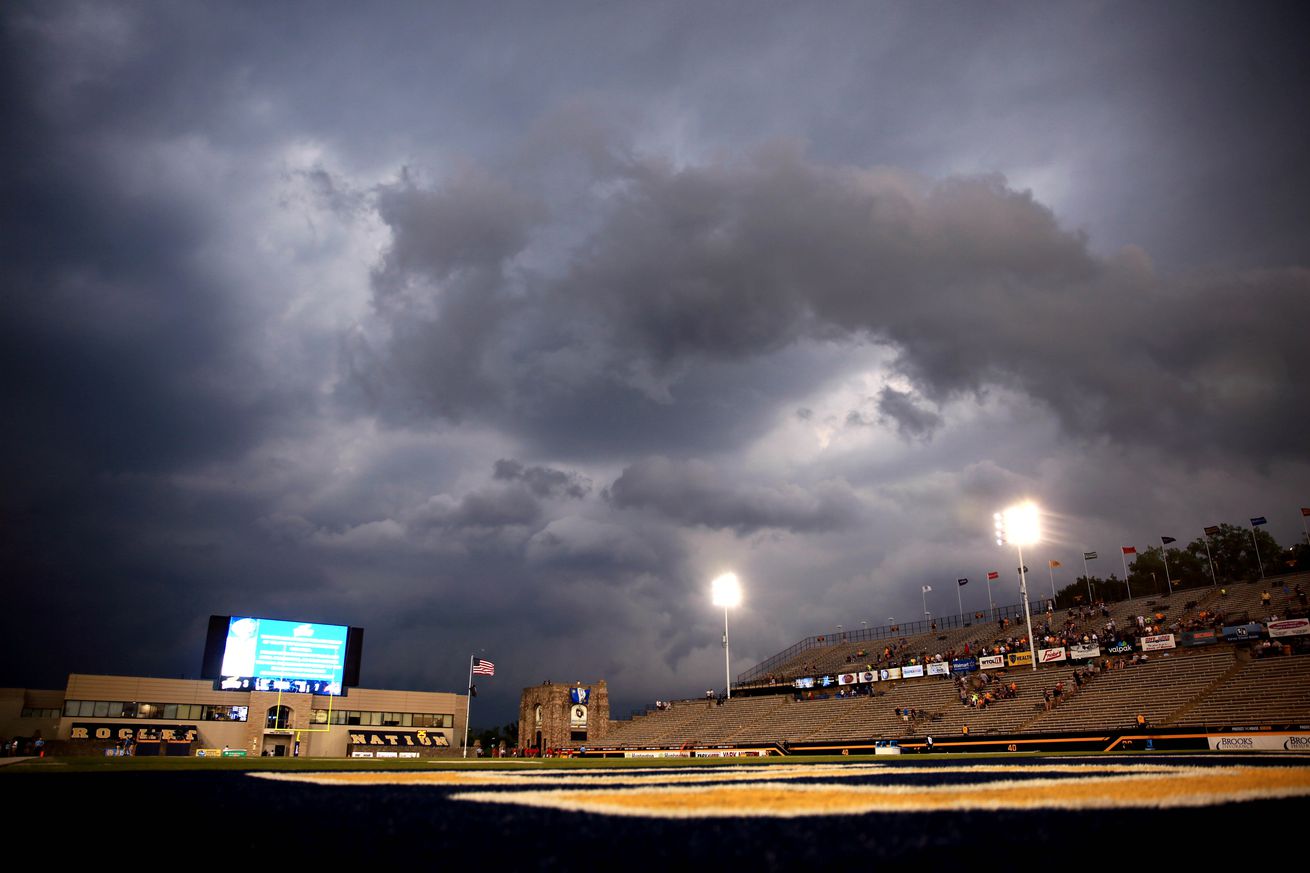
(188, 717)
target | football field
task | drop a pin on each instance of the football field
(777, 815)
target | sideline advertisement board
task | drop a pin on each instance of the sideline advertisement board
(1289, 627)
(939, 668)
(888, 673)
(991, 662)
(1157, 642)
(1261, 743)
(964, 665)
(1197, 638)
(913, 671)
(1238, 633)
(1123, 647)
(1050, 656)
(1019, 659)
(1080, 653)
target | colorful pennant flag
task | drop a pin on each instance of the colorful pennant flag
(1305, 510)
(1167, 540)
(993, 575)
(1053, 563)
(1130, 550)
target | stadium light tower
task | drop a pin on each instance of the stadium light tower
(725, 592)
(1020, 526)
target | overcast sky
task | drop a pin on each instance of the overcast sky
(505, 327)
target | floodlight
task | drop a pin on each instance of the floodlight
(726, 590)
(1022, 524)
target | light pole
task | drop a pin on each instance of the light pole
(726, 591)
(1020, 526)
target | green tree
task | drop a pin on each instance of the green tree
(1234, 553)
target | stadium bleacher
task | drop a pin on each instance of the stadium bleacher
(1218, 685)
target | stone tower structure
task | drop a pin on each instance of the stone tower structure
(555, 716)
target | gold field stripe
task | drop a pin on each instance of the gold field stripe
(1190, 787)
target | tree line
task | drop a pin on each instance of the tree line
(1231, 550)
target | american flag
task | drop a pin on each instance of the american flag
(483, 667)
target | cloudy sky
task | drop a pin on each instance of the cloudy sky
(507, 326)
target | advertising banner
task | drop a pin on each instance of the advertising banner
(1080, 652)
(578, 716)
(1241, 632)
(1197, 638)
(806, 682)
(914, 671)
(868, 676)
(1123, 647)
(991, 662)
(1051, 656)
(1289, 627)
(964, 665)
(889, 673)
(939, 668)
(1019, 659)
(846, 679)
(1261, 743)
(1157, 642)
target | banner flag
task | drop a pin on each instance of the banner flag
(962, 582)
(1212, 530)
(1167, 540)
(1054, 564)
(1305, 510)
(1089, 556)
(1259, 520)
(927, 588)
(483, 667)
(1130, 550)
(993, 575)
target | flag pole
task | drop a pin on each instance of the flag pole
(1164, 555)
(1087, 577)
(991, 608)
(1051, 569)
(959, 598)
(1123, 556)
(1258, 559)
(1214, 580)
(924, 592)
(468, 707)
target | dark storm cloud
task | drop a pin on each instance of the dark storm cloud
(970, 282)
(911, 419)
(283, 286)
(695, 493)
(544, 481)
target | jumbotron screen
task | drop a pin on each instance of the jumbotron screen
(269, 654)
